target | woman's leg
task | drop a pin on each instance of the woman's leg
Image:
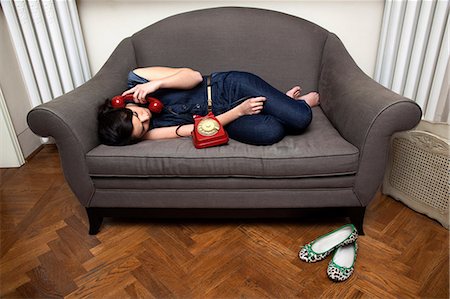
(295, 115)
(259, 129)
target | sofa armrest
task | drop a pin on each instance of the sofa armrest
(71, 119)
(365, 113)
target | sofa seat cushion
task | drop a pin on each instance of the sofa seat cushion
(319, 151)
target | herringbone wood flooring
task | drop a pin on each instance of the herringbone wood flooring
(46, 251)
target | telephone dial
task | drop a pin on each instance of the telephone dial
(208, 131)
(154, 105)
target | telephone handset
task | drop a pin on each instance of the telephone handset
(208, 131)
(154, 105)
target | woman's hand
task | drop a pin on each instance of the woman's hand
(251, 106)
(140, 91)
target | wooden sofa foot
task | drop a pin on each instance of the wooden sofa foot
(95, 220)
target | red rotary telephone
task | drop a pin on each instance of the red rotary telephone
(208, 131)
(154, 105)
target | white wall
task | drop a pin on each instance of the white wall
(14, 91)
(356, 22)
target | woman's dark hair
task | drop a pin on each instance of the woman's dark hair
(114, 125)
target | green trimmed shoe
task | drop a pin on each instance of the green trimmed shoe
(321, 247)
(342, 264)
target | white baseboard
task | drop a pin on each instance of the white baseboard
(29, 142)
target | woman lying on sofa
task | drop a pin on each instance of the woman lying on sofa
(251, 110)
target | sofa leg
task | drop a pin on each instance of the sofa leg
(357, 218)
(95, 220)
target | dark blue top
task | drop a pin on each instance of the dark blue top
(180, 105)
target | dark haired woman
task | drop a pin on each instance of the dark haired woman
(250, 109)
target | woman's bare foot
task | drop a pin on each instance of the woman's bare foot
(312, 99)
(294, 92)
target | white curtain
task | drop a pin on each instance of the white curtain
(49, 44)
(413, 55)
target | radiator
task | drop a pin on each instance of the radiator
(418, 173)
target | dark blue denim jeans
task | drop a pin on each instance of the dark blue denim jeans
(280, 116)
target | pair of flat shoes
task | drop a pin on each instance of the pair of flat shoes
(342, 242)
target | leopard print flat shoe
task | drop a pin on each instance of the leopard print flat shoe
(321, 247)
(342, 264)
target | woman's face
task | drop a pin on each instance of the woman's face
(140, 120)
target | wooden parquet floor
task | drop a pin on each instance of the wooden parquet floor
(46, 251)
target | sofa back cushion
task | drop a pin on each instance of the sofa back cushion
(282, 49)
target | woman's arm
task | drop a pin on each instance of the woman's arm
(161, 72)
(248, 107)
(163, 77)
(169, 132)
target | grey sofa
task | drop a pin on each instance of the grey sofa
(335, 167)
